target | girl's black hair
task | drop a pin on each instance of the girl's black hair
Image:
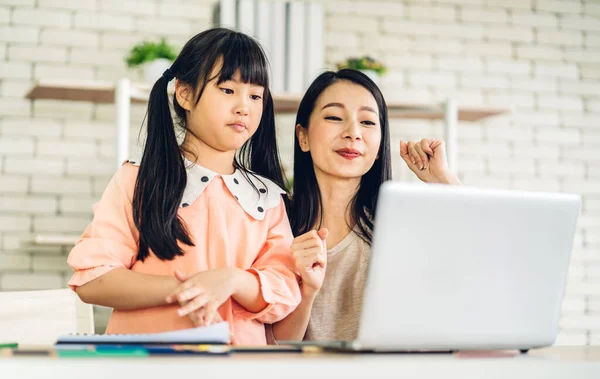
(305, 208)
(162, 176)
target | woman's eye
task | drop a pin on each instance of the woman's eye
(255, 97)
(228, 91)
(333, 118)
(369, 123)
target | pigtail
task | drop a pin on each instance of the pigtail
(161, 181)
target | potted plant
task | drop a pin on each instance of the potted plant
(153, 58)
(369, 66)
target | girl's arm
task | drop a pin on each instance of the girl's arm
(275, 273)
(267, 292)
(122, 288)
(247, 291)
(107, 249)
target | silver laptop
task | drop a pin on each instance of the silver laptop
(458, 268)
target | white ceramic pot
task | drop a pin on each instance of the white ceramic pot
(372, 74)
(153, 70)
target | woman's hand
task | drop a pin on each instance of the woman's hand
(427, 159)
(310, 257)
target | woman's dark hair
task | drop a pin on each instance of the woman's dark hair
(305, 208)
(162, 176)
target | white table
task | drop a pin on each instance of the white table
(564, 363)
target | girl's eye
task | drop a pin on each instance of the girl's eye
(228, 91)
(255, 97)
(333, 118)
(369, 123)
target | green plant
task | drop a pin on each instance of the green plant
(149, 51)
(363, 63)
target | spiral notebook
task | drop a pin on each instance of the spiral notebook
(215, 334)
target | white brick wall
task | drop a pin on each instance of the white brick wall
(41, 17)
(391, 9)
(15, 70)
(67, 186)
(13, 184)
(585, 23)
(128, 7)
(559, 37)
(30, 281)
(55, 71)
(47, 263)
(478, 15)
(103, 21)
(4, 15)
(15, 262)
(549, 135)
(60, 224)
(427, 12)
(509, 4)
(11, 223)
(558, 6)
(28, 204)
(51, 165)
(538, 56)
(68, 4)
(77, 204)
(488, 49)
(530, 18)
(66, 37)
(18, 34)
(510, 33)
(540, 53)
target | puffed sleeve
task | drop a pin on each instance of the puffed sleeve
(111, 240)
(274, 268)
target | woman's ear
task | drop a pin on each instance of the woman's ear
(183, 94)
(301, 134)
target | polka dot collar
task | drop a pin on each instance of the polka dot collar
(254, 193)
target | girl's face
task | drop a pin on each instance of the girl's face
(227, 115)
(344, 131)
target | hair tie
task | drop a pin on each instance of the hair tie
(168, 74)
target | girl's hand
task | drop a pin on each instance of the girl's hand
(194, 316)
(310, 257)
(427, 159)
(203, 294)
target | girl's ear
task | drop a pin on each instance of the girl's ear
(183, 94)
(302, 135)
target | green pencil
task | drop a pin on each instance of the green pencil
(9, 345)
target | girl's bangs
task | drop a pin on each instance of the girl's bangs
(246, 56)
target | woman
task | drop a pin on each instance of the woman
(341, 158)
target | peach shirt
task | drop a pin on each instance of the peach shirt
(231, 225)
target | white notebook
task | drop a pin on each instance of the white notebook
(213, 334)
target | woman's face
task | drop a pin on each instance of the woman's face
(344, 132)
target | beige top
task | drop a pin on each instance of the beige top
(336, 309)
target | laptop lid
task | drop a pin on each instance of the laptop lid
(466, 268)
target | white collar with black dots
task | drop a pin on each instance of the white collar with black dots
(240, 186)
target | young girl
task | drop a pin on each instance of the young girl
(198, 232)
(342, 154)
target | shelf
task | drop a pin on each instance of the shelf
(55, 239)
(104, 92)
